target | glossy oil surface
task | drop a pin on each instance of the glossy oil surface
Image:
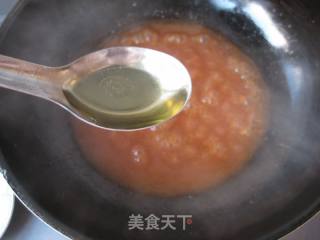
(114, 89)
(124, 97)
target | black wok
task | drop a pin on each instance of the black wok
(277, 191)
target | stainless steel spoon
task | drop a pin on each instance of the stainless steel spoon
(120, 88)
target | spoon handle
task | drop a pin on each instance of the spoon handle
(30, 78)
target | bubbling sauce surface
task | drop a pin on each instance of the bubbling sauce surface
(211, 140)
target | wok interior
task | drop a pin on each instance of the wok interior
(47, 170)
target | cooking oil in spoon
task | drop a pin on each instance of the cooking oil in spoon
(121, 96)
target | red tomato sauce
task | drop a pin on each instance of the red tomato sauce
(212, 139)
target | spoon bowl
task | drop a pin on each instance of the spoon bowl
(120, 88)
